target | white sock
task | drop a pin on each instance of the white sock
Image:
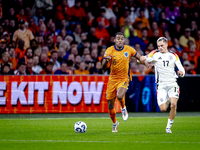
(169, 123)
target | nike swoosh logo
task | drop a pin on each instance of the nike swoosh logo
(132, 95)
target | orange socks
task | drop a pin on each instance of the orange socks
(112, 114)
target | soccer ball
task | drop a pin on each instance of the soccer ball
(80, 127)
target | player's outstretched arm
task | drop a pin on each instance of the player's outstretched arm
(105, 61)
(143, 59)
(181, 70)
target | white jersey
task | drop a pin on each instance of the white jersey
(165, 65)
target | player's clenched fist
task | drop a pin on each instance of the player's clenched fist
(142, 59)
(180, 73)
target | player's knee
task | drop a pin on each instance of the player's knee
(173, 105)
(163, 109)
(119, 97)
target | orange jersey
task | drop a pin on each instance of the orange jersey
(120, 61)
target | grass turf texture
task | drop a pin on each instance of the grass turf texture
(56, 132)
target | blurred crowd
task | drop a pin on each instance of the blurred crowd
(71, 36)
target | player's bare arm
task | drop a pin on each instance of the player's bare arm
(105, 61)
(142, 59)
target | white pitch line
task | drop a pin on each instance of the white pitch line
(71, 141)
(91, 118)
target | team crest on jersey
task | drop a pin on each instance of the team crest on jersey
(126, 54)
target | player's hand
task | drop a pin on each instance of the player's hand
(143, 59)
(180, 73)
(108, 58)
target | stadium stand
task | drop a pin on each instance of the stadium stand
(73, 34)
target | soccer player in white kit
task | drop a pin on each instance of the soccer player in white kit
(165, 61)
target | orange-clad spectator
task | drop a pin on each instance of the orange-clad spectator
(134, 69)
(184, 56)
(145, 35)
(189, 68)
(32, 26)
(20, 50)
(193, 55)
(13, 59)
(141, 17)
(24, 34)
(100, 58)
(63, 11)
(101, 32)
(142, 69)
(21, 15)
(78, 13)
(149, 48)
(90, 19)
(122, 19)
(28, 55)
(29, 66)
(138, 29)
(81, 69)
(166, 34)
(154, 26)
(48, 69)
(187, 5)
(103, 18)
(192, 69)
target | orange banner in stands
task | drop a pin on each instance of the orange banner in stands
(54, 94)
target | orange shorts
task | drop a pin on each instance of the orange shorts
(114, 85)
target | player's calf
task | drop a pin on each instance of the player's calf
(110, 104)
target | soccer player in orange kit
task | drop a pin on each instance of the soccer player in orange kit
(119, 56)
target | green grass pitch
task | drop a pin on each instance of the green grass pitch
(145, 133)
